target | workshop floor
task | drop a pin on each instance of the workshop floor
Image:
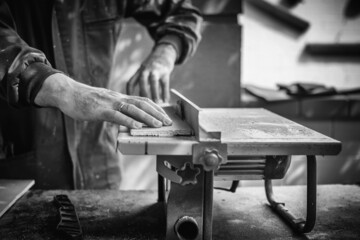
(106, 214)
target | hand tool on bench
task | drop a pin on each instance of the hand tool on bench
(69, 223)
(220, 144)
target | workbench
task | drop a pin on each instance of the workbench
(136, 215)
(226, 144)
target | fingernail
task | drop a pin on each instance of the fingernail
(137, 125)
(157, 123)
(167, 121)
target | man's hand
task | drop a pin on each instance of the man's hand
(153, 76)
(87, 103)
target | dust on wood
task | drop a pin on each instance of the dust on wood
(178, 128)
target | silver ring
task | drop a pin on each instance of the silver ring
(121, 106)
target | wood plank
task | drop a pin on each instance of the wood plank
(178, 128)
(11, 191)
(150, 145)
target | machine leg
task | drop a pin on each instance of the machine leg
(189, 202)
(208, 204)
(298, 224)
(161, 188)
(185, 211)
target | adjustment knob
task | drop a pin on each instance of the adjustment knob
(210, 159)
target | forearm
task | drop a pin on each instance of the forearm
(87, 103)
(22, 68)
(175, 22)
(73, 98)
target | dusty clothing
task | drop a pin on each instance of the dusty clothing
(40, 37)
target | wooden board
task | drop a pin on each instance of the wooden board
(11, 191)
(178, 128)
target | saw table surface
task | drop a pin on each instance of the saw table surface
(253, 131)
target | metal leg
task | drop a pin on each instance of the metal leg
(298, 224)
(189, 202)
(185, 211)
(208, 204)
(185, 199)
(234, 186)
(161, 188)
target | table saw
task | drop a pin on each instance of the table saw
(217, 144)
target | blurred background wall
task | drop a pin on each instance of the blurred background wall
(246, 43)
(274, 51)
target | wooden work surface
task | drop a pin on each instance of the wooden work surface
(110, 214)
(252, 131)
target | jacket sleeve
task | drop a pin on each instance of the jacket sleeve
(22, 69)
(174, 22)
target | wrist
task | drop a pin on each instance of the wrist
(173, 41)
(54, 91)
(165, 53)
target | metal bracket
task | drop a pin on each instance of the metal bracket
(181, 172)
(193, 115)
(298, 224)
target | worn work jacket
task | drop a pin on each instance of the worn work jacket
(41, 37)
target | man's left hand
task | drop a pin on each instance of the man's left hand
(153, 76)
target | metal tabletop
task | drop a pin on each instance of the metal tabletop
(246, 131)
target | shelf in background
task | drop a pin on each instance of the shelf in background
(281, 14)
(336, 49)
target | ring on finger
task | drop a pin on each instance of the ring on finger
(121, 106)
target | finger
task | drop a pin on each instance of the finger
(165, 84)
(136, 99)
(116, 117)
(130, 86)
(136, 113)
(154, 86)
(163, 116)
(151, 108)
(144, 84)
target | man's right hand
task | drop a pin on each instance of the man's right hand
(87, 103)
